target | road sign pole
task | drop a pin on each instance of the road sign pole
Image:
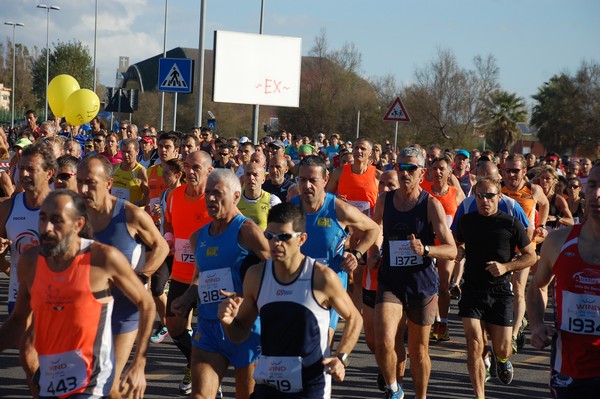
(119, 107)
(200, 66)
(396, 138)
(175, 112)
(256, 107)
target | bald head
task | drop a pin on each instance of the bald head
(388, 181)
(488, 169)
(259, 158)
(202, 157)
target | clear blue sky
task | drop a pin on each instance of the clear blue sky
(530, 39)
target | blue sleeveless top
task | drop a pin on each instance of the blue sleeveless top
(117, 235)
(219, 260)
(326, 237)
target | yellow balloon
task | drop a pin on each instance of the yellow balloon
(59, 89)
(81, 107)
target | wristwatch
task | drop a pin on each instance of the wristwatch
(426, 250)
(357, 254)
(344, 358)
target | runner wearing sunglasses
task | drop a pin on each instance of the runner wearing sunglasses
(529, 196)
(292, 294)
(487, 293)
(408, 281)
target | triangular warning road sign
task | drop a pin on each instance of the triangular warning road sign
(174, 79)
(397, 112)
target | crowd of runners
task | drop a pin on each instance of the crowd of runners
(248, 254)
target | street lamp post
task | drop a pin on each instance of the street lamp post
(14, 65)
(95, 38)
(48, 9)
(162, 94)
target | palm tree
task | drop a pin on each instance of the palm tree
(502, 112)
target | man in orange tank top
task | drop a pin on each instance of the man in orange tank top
(66, 284)
(168, 148)
(528, 196)
(185, 213)
(440, 170)
(357, 183)
(571, 257)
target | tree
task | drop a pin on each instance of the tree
(567, 111)
(503, 110)
(332, 93)
(72, 58)
(24, 98)
(447, 101)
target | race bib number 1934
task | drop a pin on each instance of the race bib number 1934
(580, 313)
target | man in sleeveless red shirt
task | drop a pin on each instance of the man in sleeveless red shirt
(571, 257)
(66, 283)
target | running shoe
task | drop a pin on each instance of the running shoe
(220, 393)
(488, 374)
(505, 372)
(380, 382)
(389, 394)
(185, 386)
(442, 333)
(159, 334)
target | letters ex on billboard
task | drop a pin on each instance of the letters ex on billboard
(397, 112)
(175, 75)
(257, 69)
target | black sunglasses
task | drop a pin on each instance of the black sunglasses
(98, 140)
(512, 171)
(573, 186)
(407, 167)
(64, 176)
(486, 195)
(284, 237)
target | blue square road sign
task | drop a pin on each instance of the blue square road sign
(175, 75)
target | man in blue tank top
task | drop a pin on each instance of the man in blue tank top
(327, 221)
(408, 280)
(292, 295)
(223, 249)
(131, 230)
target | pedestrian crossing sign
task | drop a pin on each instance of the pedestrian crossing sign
(397, 112)
(175, 75)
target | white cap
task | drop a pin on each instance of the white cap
(244, 139)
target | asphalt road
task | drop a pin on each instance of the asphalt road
(449, 377)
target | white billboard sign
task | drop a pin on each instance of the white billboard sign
(257, 69)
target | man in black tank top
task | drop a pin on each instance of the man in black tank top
(407, 277)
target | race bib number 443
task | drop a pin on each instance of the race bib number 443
(401, 254)
(580, 313)
(62, 373)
